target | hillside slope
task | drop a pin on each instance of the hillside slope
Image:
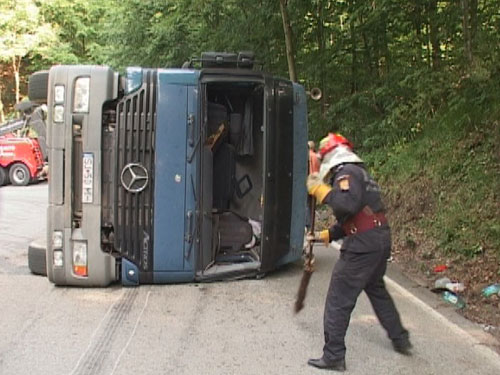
(442, 189)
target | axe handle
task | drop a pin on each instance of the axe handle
(308, 266)
(312, 202)
(311, 229)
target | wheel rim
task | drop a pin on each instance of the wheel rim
(19, 176)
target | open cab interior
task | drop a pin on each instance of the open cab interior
(232, 160)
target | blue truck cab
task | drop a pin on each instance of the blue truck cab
(174, 175)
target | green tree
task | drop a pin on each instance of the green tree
(80, 26)
(22, 31)
(167, 33)
(290, 51)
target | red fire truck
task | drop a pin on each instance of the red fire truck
(23, 158)
(21, 161)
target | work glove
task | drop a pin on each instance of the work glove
(317, 188)
(320, 236)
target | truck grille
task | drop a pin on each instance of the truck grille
(135, 173)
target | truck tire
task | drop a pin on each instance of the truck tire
(38, 84)
(37, 261)
(4, 176)
(19, 174)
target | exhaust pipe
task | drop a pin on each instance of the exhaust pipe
(315, 93)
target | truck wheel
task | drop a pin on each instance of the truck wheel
(37, 262)
(37, 86)
(4, 176)
(19, 174)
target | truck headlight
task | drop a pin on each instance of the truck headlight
(59, 93)
(82, 95)
(58, 113)
(57, 239)
(80, 258)
(58, 258)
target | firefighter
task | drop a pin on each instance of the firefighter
(345, 185)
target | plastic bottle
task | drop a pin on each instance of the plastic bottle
(453, 299)
(492, 289)
(455, 287)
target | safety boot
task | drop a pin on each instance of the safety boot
(402, 346)
(337, 365)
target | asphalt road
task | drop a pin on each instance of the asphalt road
(241, 327)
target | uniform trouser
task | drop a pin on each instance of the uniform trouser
(353, 273)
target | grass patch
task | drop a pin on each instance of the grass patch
(449, 175)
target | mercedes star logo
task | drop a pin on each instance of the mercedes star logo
(134, 177)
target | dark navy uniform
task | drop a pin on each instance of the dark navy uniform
(363, 258)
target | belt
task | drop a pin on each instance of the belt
(363, 221)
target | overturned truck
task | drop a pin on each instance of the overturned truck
(174, 175)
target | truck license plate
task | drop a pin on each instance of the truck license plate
(87, 178)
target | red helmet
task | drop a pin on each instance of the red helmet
(331, 141)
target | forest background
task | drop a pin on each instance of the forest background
(414, 84)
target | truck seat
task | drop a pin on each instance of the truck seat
(232, 232)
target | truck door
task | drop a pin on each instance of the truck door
(278, 171)
(170, 189)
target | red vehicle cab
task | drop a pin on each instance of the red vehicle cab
(21, 160)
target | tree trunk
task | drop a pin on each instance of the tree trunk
(417, 24)
(15, 68)
(367, 50)
(2, 115)
(322, 53)
(473, 4)
(434, 34)
(469, 26)
(428, 44)
(288, 41)
(354, 70)
(384, 48)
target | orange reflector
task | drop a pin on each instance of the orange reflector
(80, 270)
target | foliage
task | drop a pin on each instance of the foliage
(167, 33)
(78, 25)
(457, 152)
(22, 30)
